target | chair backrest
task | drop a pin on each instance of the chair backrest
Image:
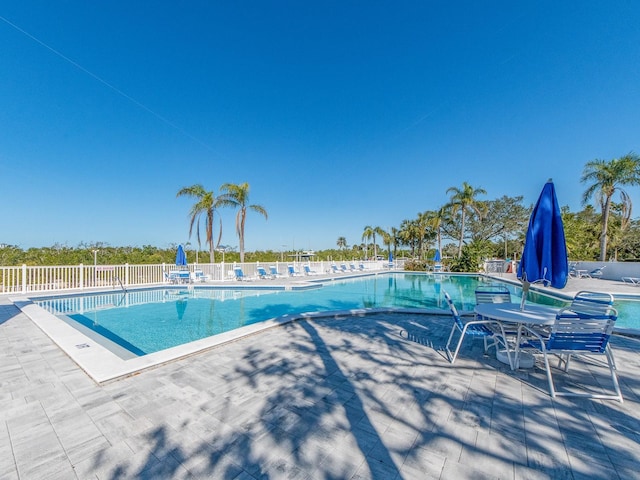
(290, 269)
(597, 272)
(592, 302)
(343, 267)
(273, 270)
(334, 268)
(493, 294)
(239, 273)
(574, 331)
(262, 272)
(454, 310)
(307, 268)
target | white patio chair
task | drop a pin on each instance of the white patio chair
(492, 294)
(475, 328)
(591, 302)
(577, 333)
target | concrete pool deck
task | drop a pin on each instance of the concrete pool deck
(330, 398)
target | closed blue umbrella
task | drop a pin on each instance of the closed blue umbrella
(181, 257)
(436, 257)
(544, 258)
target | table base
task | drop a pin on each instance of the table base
(526, 359)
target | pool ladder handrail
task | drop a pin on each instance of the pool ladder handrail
(120, 282)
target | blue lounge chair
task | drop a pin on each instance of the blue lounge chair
(292, 271)
(343, 268)
(240, 276)
(262, 273)
(308, 271)
(335, 269)
(274, 272)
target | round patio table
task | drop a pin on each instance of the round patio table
(531, 315)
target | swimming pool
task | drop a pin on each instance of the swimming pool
(118, 334)
(148, 321)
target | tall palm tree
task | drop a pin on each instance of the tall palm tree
(606, 178)
(237, 196)
(206, 204)
(434, 220)
(463, 200)
(366, 236)
(342, 243)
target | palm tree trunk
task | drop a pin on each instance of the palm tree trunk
(461, 235)
(605, 227)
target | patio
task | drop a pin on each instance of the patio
(329, 398)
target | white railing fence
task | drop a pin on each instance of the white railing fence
(26, 279)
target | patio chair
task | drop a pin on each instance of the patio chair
(493, 294)
(486, 329)
(577, 333)
(343, 268)
(591, 302)
(361, 267)
(262, 273)
(631, 280)
(352, 267)
(335, 269)
(199, 276)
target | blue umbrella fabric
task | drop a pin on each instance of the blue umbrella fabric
(436, 257)
(181, 257)
(544, 258)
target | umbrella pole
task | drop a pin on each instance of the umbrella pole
(525, 290)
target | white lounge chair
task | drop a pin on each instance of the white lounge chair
(631, 280)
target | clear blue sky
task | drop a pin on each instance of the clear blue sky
(338, 114)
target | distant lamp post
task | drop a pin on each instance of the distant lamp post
(95, 267)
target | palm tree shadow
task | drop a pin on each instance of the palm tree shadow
(7, 312)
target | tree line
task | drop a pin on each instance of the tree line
(481, 229)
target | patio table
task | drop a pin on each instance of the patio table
(532, 315)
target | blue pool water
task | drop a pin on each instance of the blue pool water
(147, 321)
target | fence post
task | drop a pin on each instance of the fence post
(24, 278)
(126, 274)
(81, 276)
